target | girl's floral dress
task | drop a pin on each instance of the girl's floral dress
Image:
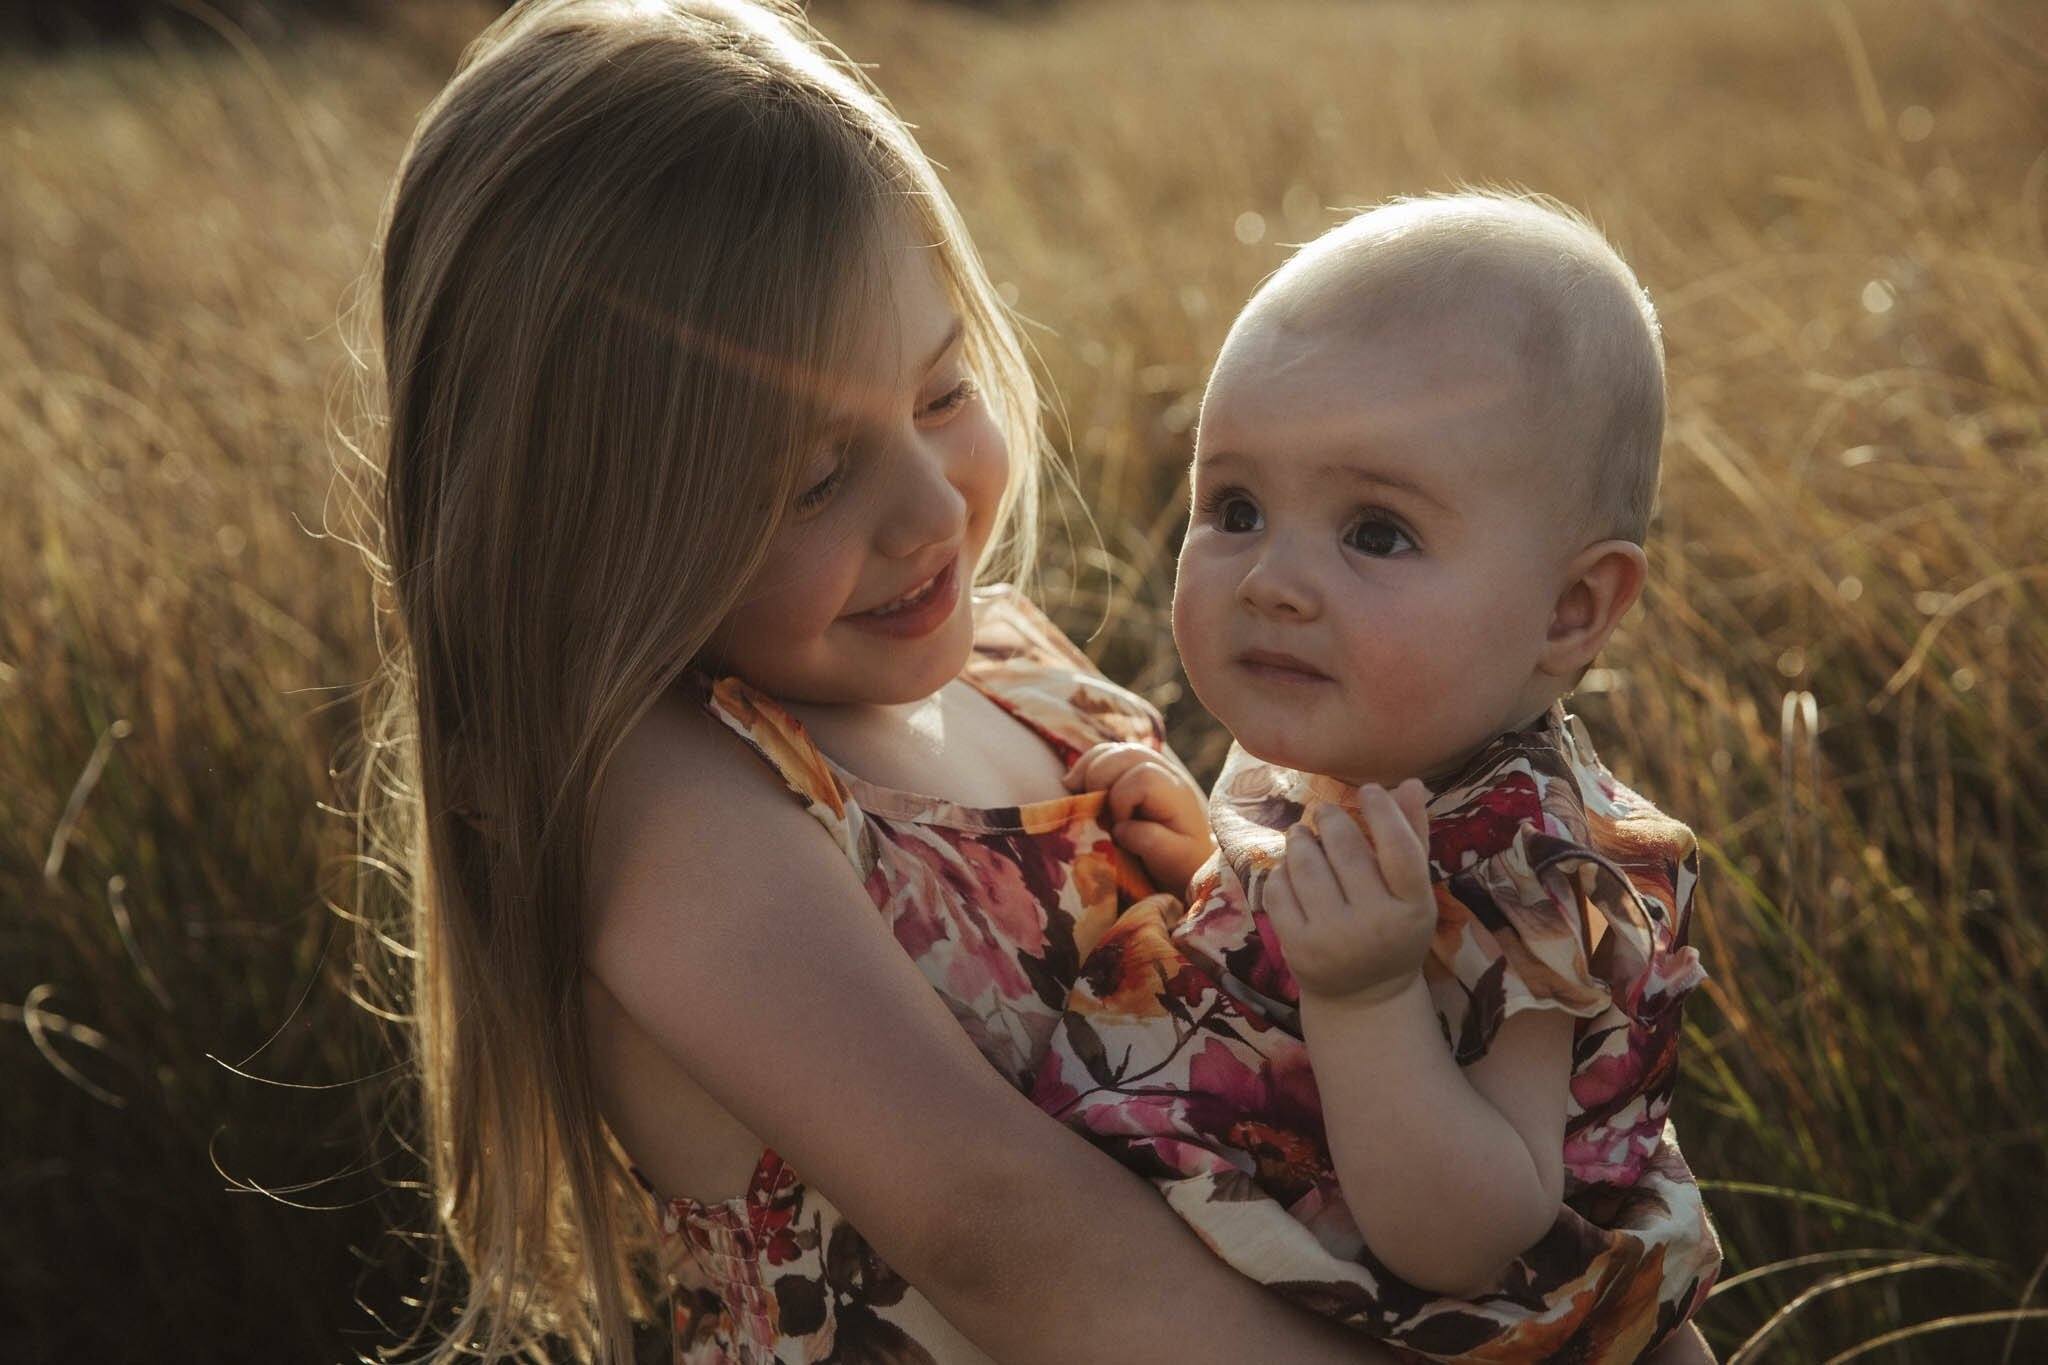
(1557, 888)
(997, 908)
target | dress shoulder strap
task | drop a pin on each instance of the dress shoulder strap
(780, 740)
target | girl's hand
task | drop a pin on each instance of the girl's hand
(1355, 916)
(1155, 811)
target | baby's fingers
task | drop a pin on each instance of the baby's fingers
(1277, 899)
(1307, 873)
(1149, 788)
(1352, 859)
(1403, 854)
(1102, 764)
(1413, 799)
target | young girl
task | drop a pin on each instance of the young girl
(744, 890)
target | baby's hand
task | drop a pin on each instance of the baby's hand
(1155, 811)
(1355, 917)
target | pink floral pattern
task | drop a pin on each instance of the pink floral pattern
(1557, 888)
(998, 908)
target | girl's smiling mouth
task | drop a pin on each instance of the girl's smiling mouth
(917, 612)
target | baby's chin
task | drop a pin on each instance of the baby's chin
(1300, 753)
(1348, 765)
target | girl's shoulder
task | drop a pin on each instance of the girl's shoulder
(700, 745)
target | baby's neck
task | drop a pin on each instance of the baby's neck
(1441, 774)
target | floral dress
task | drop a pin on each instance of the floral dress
(1557, 888)
(997, 908)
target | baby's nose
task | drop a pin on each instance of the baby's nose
(1278, 585)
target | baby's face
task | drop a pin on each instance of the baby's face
(1376, 550)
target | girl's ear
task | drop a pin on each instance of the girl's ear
(1602, 582)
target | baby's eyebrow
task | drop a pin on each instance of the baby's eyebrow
(1357, 474)
(1346, 470)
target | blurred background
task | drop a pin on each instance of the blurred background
(1839, 677)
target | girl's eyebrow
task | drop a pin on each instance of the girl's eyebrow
(939, 351)
(869, 404)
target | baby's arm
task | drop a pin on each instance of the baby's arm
(740, 939)
(1450, 1172)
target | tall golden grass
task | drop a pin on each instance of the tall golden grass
(1840, 677)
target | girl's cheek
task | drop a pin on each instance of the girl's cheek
(989, 463)
(805, 588)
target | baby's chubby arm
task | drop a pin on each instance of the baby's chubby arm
(1157, 812)
(1449, 1172)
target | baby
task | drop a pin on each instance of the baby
(1423, 475)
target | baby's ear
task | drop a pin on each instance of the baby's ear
(1602, 582)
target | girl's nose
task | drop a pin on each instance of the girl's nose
(927, 507)
(1280, 585)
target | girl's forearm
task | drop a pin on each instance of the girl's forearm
(1071, 1257)
(1443, 1188)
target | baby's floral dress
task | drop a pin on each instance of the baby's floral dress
(997, 907)
(1557, 888)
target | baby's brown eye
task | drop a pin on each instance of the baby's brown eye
(1237, 517)
(1379, 538)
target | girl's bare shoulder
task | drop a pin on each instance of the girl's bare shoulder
(685, 802)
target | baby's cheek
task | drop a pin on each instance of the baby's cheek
(1197, 625)
(1400, 665)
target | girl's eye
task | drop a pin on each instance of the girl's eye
(815, 495)
(952, 400)
(1378, 537)
(1233, 512)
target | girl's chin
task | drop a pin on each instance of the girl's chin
(911, 671)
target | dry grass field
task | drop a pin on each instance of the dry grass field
(1840, 676)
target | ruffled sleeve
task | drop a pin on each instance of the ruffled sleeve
(1547, 923)
(1584, 909)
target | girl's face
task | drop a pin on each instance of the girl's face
(863, 598)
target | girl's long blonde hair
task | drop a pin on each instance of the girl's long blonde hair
(622, 242)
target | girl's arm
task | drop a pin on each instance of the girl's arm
(740, 939)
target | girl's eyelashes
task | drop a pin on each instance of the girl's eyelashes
(952, 400)
(814, 496)
(939, 409)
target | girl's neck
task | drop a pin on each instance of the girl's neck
(924, 717)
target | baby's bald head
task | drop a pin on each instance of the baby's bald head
(1540, 279)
